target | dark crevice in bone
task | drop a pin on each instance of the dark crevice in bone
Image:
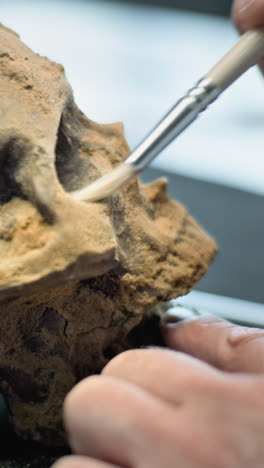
(26, 387)
(9, 163)
(147, 333)
(106, 284)
(74, 170)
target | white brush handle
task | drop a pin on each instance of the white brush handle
(246, 53)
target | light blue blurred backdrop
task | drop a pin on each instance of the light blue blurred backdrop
(131, 63)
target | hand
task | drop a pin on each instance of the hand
(158, 408)
(248, 14)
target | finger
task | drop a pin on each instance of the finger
(168, 375)
(81, 462)
(224, 345)
(249, 14)
(111, 420)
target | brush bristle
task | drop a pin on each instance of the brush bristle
(106, 185)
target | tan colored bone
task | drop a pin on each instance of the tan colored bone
(75, 278)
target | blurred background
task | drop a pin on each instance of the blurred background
(217, 7)
(130, 61)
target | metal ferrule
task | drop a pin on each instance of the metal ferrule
(175, 122)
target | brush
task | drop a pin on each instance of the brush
(246, 53)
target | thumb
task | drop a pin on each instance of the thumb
(220, 343)
(247, 14)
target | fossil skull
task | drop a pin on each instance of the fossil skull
(77, 279)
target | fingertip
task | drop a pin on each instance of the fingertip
(76, 394)
(238, 18)
(186, 335)
(65, 462)
(78, 400)
(247, 14)
(120, 366)
(220, 343)
(84, 409)
(176, 334)
(75, 461)
(119, 361)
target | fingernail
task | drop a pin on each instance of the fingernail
(171, 321)
(205, 319)
(244, 5)
(179, 314)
